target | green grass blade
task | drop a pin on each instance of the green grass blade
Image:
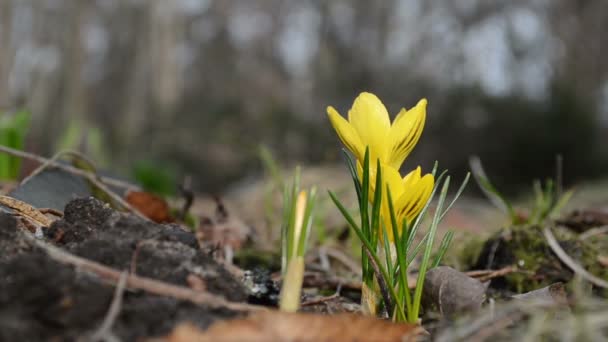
(561, 203)
(457, 195)
(363, 201)
(418, 220)
(401, 255)
(353, 173)
(443, 247)
(369, 248)
(307, 222)
(377, 205)
(428, 249)
(271, 166)
(488, 189)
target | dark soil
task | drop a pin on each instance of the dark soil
(41, 299)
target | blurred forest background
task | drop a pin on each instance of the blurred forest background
(196, 86)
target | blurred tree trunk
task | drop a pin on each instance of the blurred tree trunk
(138, 82)
(165, 28)
(75, 95)
(6, 52)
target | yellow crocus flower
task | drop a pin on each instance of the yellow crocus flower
(409, 195)
(369, 125)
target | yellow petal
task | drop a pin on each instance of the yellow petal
(405, 132)
(369, 118)
(346, 132)
(412, 178)
(414, 198)
(392, 179)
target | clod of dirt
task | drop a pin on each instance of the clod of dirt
(526, 247)
(11, 242)
(280, 326)
(582, 220)
(41, 299)
(164, 252)
(452, 292)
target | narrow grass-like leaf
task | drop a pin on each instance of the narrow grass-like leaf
(418, 220)
(284, 227)
(457, 195)
(401, 256)
(369, 247)
(363, 201)
(443, 247)
(417, 249)
(387, 254)
(561, 203)
(353, 173)
(372, 232)
(488, 189)
(307, 222)
(270, 165)
(292, 215)
(427, 251)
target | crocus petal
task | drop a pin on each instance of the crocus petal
(346, 132)
(412, 178)
(415, 197)
(405, 132)
(391, 179)
(369, 118)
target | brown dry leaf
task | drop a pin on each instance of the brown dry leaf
(27, 211)
(152, 206)
(280, 326)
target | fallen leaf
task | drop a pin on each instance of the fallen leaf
(280, 326)
(452, 291)
(152, 206)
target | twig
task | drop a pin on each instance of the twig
(104, 333)
(322, 299)
(344, 259)
(76, 171)
(566, 259)
(98, 181)
(54, 159)
(316, 279)
(485, 275)
(133, 265)
(147, 284)
(593, 232)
